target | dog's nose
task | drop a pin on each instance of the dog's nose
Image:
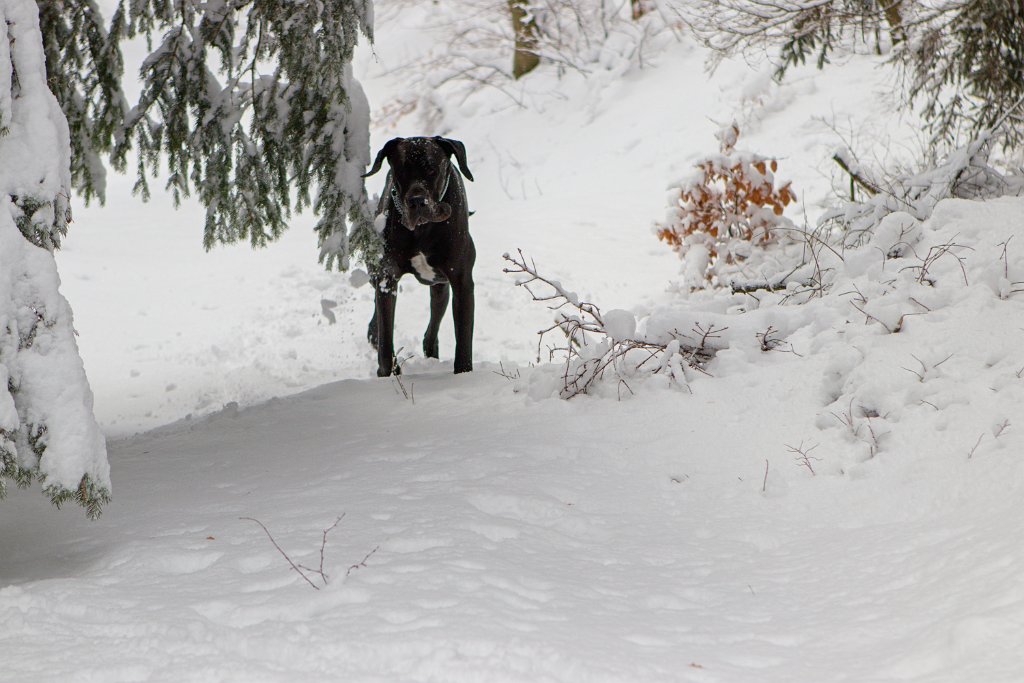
(418, 200)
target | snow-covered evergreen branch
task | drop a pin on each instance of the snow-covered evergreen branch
(255, 109)
(47, 429)
(84, 70)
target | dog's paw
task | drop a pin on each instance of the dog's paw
(430, 348)
(388, 370)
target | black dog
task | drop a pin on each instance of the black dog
(426, 233)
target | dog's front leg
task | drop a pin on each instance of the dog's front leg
(438, 305)
(384, 312)
(462, 311)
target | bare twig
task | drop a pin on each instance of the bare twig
(769, 342)
(397, 376)
(928, 310)
(502, 372)
(924, 368)
(847, 420)
(870, 317)
(361, 563)
(560, 296)
(976, 444)
(934, 254)
(302, 569)
(283, 553)
(764, 484)
(804, 457)
(707, 334)
(323, 545)
(623, 383)
(854, 423)
(873, 446)
(1004, 257)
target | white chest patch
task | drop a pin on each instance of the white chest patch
(423, 269)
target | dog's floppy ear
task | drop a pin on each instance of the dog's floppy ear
(385, 152)
(459, 150)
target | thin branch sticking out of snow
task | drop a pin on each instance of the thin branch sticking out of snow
(301, 569)
(361, 563)
(803, 458)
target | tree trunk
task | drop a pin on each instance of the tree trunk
(525, 58)
(891, 9)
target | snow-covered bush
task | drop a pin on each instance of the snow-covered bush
(599, 344)
(923, 242)
(966, 173)
(47, 428)
(731, 207)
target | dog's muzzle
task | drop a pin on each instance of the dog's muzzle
(421, 210)
(418, 207)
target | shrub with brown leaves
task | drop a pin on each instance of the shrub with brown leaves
(726, 209)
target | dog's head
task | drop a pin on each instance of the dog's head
(420, 173)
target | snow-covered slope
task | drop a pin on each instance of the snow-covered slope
(667, 537)
(493, 532)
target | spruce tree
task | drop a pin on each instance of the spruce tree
(47, 429)
(253, 106)
(965, 65)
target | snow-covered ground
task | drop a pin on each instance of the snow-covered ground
(493, 532)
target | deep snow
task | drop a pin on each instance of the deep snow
(492, 532)
(521, 541)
